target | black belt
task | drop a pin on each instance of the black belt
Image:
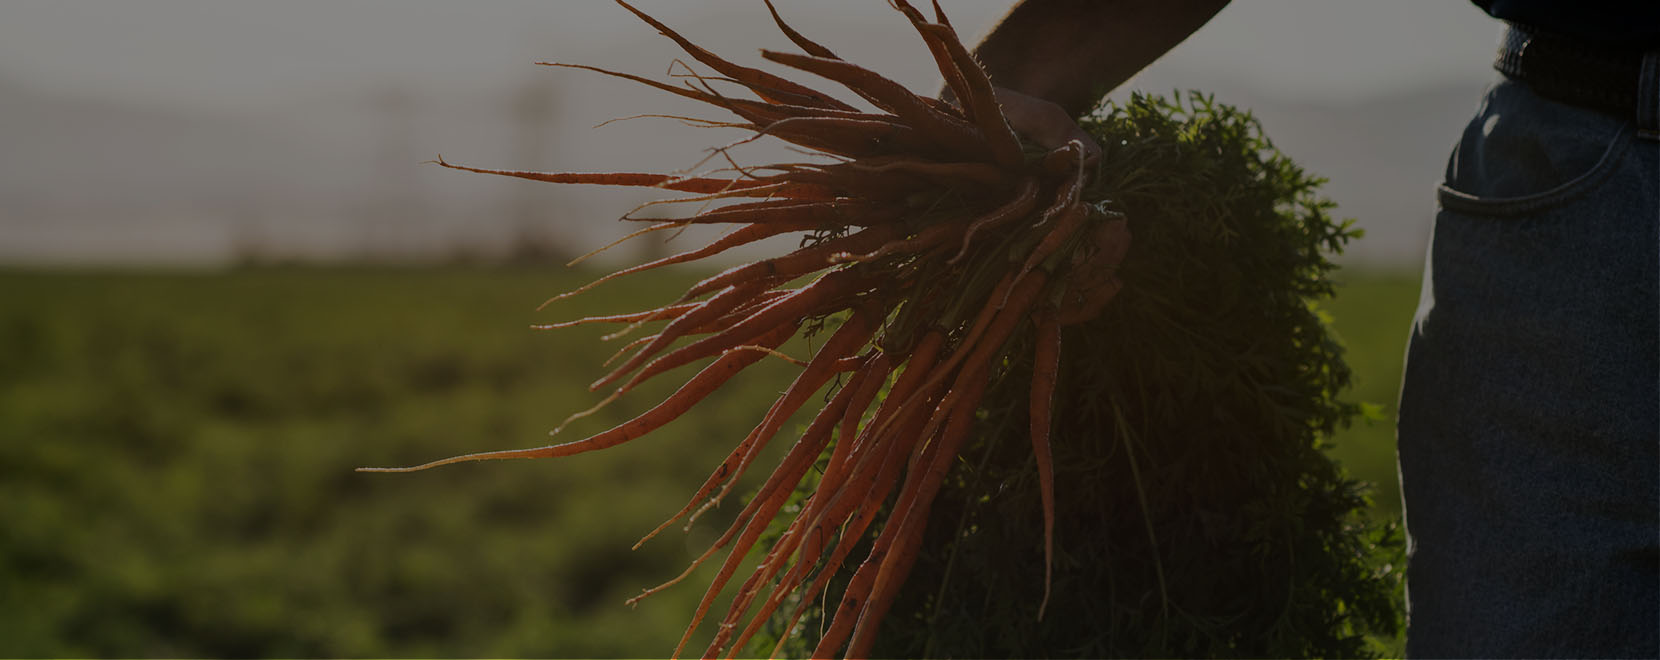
(1573, 72)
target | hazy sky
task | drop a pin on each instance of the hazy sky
(241, 53)
(217, 116)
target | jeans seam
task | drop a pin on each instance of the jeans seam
(1648, 97)
(1456, 200)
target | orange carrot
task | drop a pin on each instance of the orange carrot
(853, 514)
(982, 322)
(864, 384)
(665, 181)
(626, 348)
(768, 86)
(746, 541)
(764, 506)
(910, 513)
(848, 338)
(730, 467)
(741, 236)
(863, 387)
(769, 571)
(851, 363)
(900, 445)
(831, 213)
(777, 336)
(1022, 296)
(1017, 206)
(948, 173)
(854, 598)
(812, 48)
(855, 138)
(669, 312)
(742, 311)
(790, 309)
(835, 469)
(933, 118)
(700, 386)
(1068, 157)
(1111, 241)
(1095, 275)
(737, 315)
(892, 458)
(799, 262)
(988, 116)
(895, 443)
(710, 310)
(655, 227)
(904, 183)
(1072, 218)
(863, 87)
(878, 370)
(949, 72)
(755, 112)
(939, 15)
(844, 133)
(764, 113)
(839, 468)
(1071, 188)
(946, 132)
(853, 181)
(919, 371)
(810, 542)
(930, 237)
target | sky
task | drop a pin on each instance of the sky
(241, 54)
(310, 70)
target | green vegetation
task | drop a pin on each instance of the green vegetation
(176, 454)
(1371, 316)
(1195, 513)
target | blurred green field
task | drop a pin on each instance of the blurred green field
(176, 453)
(1372, 314)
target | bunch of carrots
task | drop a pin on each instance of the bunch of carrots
(933, 236)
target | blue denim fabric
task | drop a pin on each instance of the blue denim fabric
(1530, 415)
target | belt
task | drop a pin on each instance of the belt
(1574, 72)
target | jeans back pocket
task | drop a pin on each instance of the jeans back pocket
(1523, 153)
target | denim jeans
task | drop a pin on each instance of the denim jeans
(1530, 418)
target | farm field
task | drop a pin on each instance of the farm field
(176, 454)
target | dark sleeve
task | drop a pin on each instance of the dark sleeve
(1632, 24)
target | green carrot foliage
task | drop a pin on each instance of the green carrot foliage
(1197, 513)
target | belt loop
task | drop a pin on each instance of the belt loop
(1648, 97)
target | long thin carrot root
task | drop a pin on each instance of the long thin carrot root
(930, 238)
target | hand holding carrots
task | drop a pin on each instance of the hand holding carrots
(936, 238)
(1045, 123)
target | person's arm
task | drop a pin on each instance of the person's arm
(1053, 60)
(1072, 52)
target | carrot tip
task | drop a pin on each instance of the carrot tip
(416, 468)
